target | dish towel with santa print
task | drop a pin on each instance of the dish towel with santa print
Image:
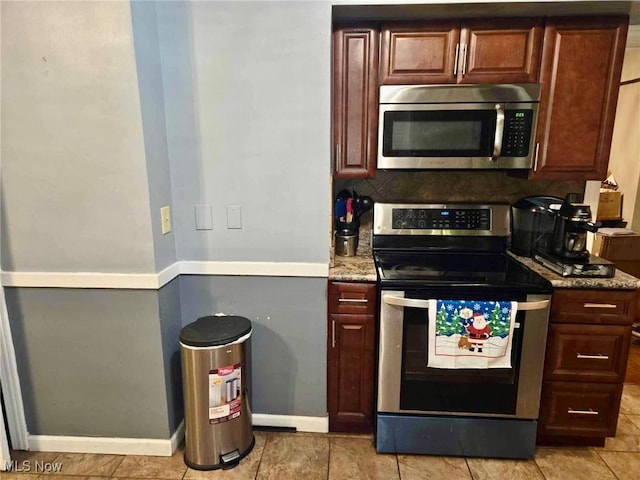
(470, 333)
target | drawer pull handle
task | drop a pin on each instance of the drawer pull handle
(600, 305)
(597, 356)
(353, 300)
(582, 412)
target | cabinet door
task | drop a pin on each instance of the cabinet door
(419, 53)
(500, 51)
(573, 409)
(355, 102)
(350, 362)
(587, 353)
(580, 77)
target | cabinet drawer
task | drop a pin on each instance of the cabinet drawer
(591, 353)
(593, 306)
(359, 298)
(579, 409)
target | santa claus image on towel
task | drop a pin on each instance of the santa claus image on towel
(479, 332)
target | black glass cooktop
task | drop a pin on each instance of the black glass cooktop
(456, 269)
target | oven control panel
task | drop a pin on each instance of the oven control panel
(441, 219)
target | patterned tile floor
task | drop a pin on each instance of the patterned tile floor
(306, 456)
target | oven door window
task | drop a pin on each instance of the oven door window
(492, 391)
(438, 133)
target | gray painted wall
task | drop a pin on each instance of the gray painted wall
(90, 361)
(253, 112)
(75, 194)
(183, 132)
(91, 152)
(147, 51)
(289, 340)
(170, 311)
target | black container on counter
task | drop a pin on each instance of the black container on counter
(532, 220)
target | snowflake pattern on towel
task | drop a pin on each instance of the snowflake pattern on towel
(456, 316)
(470, 333)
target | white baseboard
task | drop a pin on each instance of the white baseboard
(157, 447)
(300, 423)
(154, 281)
(106, 445)
(177, 437)
(261, 269)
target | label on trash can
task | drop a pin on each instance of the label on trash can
(225, 399)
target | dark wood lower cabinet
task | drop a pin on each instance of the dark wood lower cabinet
(350, 366)
(586, 360)
(588, 353)
(580, 409)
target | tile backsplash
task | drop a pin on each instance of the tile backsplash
(453, 186)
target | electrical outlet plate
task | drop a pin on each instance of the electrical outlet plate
(234, 216)
(165, 215)
(204, 220)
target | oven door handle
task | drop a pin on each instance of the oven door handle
(419, 303)
(539, 305)
(405, 302)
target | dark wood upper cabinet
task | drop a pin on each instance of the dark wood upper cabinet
(482, 51)
(355, 101)
(580, 77)
(419, 53)
(501, 51)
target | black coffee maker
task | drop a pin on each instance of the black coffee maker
(567, 252)
(572, 222)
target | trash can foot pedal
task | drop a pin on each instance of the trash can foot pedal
(231, 459)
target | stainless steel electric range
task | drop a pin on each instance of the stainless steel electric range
(455, 252)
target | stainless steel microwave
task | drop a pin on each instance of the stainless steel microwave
(457, 126)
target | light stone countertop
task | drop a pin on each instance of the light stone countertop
(355, 269)
(361, 268)
(621, 281)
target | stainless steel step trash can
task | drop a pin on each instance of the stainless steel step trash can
(215, 354)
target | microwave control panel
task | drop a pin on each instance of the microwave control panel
(517, 133)
(441, 219)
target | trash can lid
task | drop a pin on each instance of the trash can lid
(215, 330)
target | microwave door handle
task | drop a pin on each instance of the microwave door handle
(497, 141)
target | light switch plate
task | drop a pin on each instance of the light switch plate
(165, 215)
(234, 216)
(204, 220)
